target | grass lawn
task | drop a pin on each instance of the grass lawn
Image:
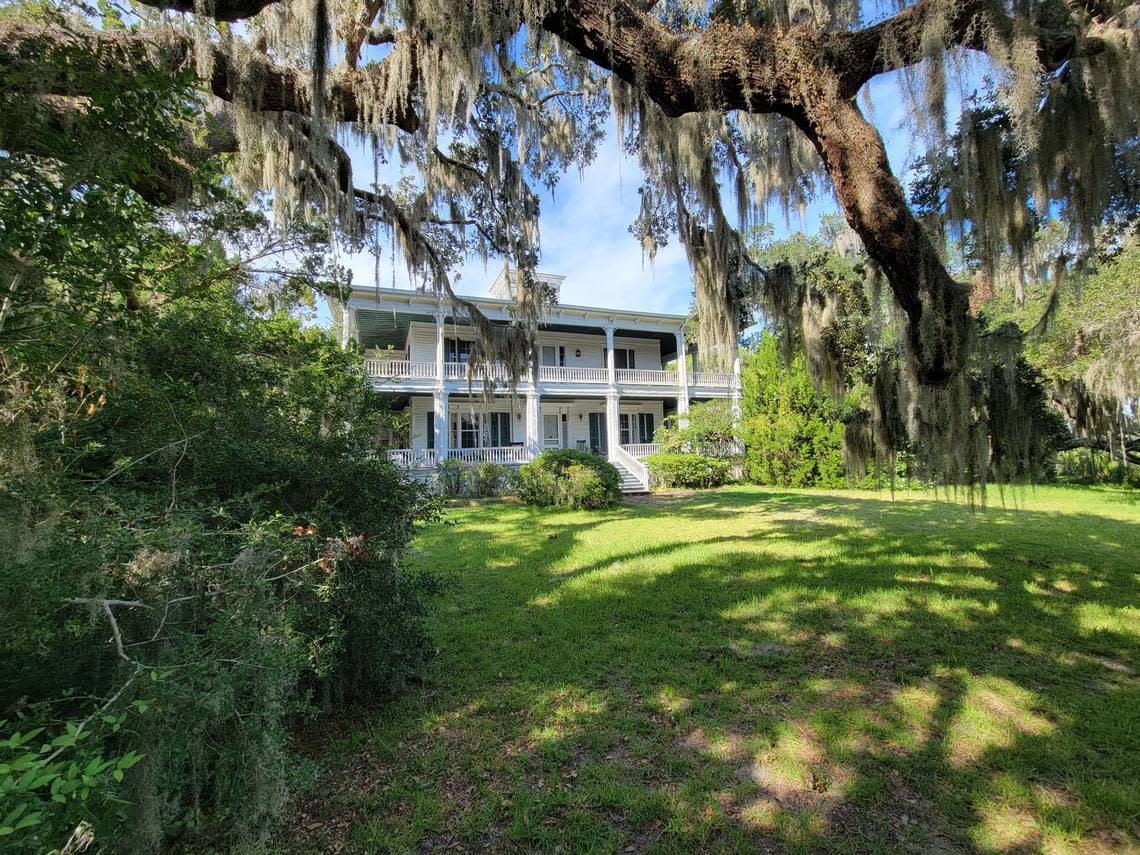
(756, 669)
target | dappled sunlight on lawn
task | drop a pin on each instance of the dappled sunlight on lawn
(756, 670)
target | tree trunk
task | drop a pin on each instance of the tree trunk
(876, 208)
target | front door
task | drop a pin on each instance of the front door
(598, 433)
(550, 431)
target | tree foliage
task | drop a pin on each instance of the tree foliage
(485, 102)
(201, 550)
(793, 435)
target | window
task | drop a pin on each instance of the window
(464, 430)
(500, 429)
(623, 429)
(430, 430)
(457, 350)
(553, 355)
(625, 357)
(645, 426)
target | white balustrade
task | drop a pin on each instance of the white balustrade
(399, 369)
(412, 458)
(643, 449)
(711, 378)
(647, 377)
(560, 374)
(458, 371)
(509, 454)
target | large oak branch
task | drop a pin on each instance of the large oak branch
(87, 55)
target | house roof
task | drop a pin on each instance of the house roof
(427, 301)
(383, 315)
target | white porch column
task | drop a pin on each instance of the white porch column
(533, 423)
(736, 409)
(439, 350)
(345, 325)
(442, 423)
(682, 379)
(613, 430)
(610, 361)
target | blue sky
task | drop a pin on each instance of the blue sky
(584, 227)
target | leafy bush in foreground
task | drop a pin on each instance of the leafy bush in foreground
(575, 479)
(688, 470)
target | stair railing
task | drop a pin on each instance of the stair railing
(634, 466)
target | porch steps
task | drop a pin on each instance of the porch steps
(629, 482)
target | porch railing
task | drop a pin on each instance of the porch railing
(555, 373)
(711, 378)
(509, 454)
(399, 369)
(646, 376)
(411, 458)
(642, 450)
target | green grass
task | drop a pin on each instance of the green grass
(756, 669)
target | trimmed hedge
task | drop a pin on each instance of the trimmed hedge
(688, 470)
(574, 479)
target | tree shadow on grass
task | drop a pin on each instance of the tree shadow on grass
(818, 672)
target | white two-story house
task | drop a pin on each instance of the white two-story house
(606, 380)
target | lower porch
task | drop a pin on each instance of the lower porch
(514, 430)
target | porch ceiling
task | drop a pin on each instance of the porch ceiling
(381, 328)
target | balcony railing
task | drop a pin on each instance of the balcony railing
(641, 450)
(711, 378)
(647, 377)
(404, 369)
(399, 369)
(559, 374)
(458, 371)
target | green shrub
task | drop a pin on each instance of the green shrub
(454, 479)
(488, 479)
(451, 477)
(575, 479)
(188, 602)
(688, 470)
(792, 433)
(585, 487)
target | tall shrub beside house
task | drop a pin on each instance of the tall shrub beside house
(702, 450)
(792, 433)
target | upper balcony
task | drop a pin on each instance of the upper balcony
(409, 373)
(415, 345)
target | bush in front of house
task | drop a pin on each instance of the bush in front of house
(454, 478)
(451, 478)
(575, 479)
(485, 480)
(688, 470)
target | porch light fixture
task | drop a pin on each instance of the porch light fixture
(577, 352)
